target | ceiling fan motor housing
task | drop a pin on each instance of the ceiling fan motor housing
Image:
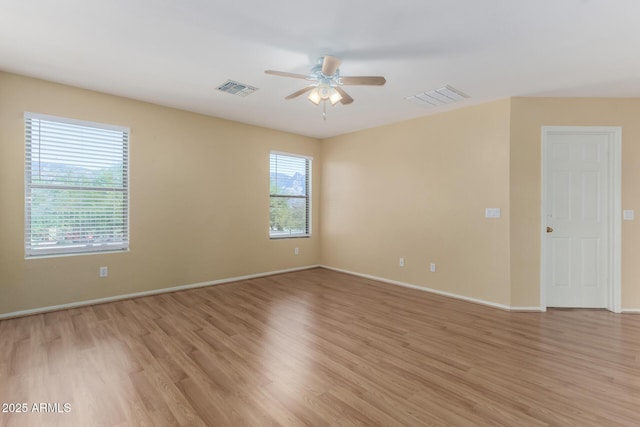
(317, 74)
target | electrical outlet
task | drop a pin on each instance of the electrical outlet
(296, 251)
(104, 272)
(432, 267)
(401, 262)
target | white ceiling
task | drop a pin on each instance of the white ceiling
(176, 52)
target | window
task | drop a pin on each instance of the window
(290, 204)
(76, 186)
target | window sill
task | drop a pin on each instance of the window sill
(70, 254)
(300, 236)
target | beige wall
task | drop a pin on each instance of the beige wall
(199, 200)
(418, 190)
(527, 117)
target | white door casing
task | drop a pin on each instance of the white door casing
(580, 260)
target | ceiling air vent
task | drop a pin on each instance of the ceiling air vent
(437, 97)
(235, 88)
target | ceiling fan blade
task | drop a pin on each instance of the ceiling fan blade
(330, 65)
(363, 80)
(346, 98)
(299, 92)
(285, 74)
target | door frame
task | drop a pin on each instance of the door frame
(614, 209)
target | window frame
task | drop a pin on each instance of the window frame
(86, 248)
(307, 197)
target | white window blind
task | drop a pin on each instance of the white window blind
(76, 186)
(290, 202)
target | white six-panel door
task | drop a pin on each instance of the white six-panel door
(577, 232)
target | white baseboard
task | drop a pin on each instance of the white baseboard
(631, 310)
(527, 309)
(41, 310)
(435, 291)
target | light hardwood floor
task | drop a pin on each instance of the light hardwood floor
(320, 348)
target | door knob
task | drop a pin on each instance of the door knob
(549, 229)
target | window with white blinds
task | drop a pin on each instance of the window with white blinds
(290, 201)
(76, 186)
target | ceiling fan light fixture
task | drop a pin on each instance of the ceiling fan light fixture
(325, 91)
(335, 97)
(314, 96)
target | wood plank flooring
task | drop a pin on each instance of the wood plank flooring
(319, 348)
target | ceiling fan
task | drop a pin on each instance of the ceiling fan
(327, 82)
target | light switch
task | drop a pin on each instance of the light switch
(628, 215)
(492, 213)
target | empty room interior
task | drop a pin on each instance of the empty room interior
(337, 213)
